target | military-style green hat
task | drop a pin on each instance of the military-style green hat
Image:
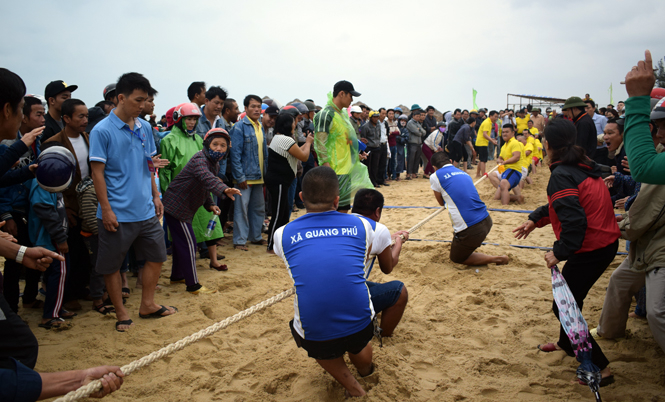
(573, 101)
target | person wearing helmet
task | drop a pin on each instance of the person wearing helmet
(186, 195)
(110, 94)
(401, 142)
(356, 118)
(646, 165)
(178, 148)
(398, 112)
(48, 225)
(307, 110)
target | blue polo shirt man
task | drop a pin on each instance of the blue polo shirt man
(121, 148)
(126, 169)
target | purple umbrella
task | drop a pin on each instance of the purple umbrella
(577, 330)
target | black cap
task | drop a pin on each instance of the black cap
(55, 87)
(271, 111)
(345, 86)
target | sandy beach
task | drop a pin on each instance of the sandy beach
(467, 333)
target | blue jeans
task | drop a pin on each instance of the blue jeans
(399, 159)
(384, 295)
(248, 214)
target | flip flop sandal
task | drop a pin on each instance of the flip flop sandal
(158, 313)
(124, 322)
(241, 247)
(260, 242)
(548, 347)
(222, 267)
(126, 292)
(104, 309)
(67, 315)
(50, 324)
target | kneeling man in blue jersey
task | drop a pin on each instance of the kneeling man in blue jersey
(325, 253)
(471, 221)
(389, 298)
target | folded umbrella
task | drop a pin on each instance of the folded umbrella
(577, 330)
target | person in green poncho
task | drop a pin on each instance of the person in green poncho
(180, 145)
(336, 144)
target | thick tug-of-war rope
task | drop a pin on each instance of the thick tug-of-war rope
(96, 385)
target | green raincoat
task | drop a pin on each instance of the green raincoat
(179, 147)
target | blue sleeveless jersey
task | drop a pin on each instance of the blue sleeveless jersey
(325, 255)
(461, 196)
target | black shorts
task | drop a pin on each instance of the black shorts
(468, 240)
(335, 348)
(482, 153)
(458, 152)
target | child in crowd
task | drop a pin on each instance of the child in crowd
(179, 147)
(468, 213)
(582, 217)
(48, 225)
(325, 253)
(401, 142)
(511, 153)
(187, 193)
(390, 298)
(87, 199)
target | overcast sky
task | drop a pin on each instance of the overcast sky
(394, 52)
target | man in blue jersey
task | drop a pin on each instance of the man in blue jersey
(388, 298)
(325, 253)
(471, 221)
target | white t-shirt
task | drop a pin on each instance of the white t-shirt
(81, 151)
(382, 240)
(384, 131)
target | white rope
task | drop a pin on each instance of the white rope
(96, 385)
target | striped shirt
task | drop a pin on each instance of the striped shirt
(281, 145)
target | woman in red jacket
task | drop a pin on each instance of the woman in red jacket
(582, 216)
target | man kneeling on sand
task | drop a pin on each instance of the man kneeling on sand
(388, 298)
(325, 253)
(471, 221)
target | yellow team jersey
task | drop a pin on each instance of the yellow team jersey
(538, 152)
(522, 124)
(534, 131)
(527, 161)
(481, 141)
(507, 152)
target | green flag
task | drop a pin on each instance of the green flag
(474, 99)
(610, 90)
